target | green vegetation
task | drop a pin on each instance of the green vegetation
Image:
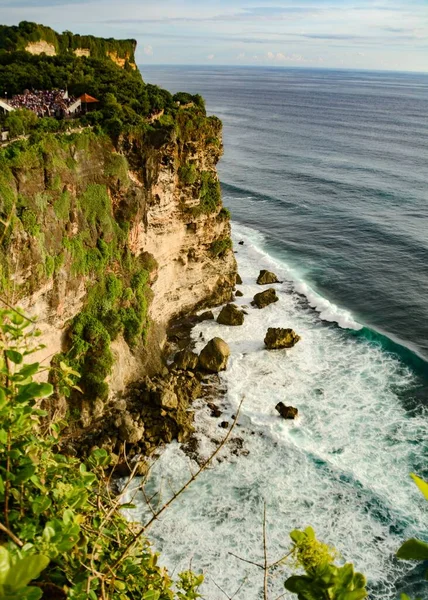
(16, 38)
(62, 532)
(126, 102)
(188, 174)
(119, 294)
(220, 247)
(415, 549)
(323, 580)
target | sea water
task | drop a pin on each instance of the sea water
(332, 197)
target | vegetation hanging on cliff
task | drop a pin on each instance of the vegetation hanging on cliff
(61, 526)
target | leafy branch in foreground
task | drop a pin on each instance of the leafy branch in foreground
(415, 549)
(323, 580)
(60, 524)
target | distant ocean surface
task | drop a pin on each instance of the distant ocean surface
(326, 176)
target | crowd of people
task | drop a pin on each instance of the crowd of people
(53, 103)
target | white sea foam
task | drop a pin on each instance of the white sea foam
(341, 467)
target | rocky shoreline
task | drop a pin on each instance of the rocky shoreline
(161, 408)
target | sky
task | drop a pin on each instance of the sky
(366, 34)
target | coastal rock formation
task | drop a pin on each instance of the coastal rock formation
(208, 315)
(238, 294)
(186, 360)
(286, 412)
(214, 357)
(277, 338)
(238, 279)
(230, 315)
(266, 277)
(265, 298)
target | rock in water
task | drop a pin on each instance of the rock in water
(238, 279)
(277, 338)
(186, 360)
(238, 293)
(266, 277)
(208, 315)
(214, 356)
(230, 315)
(286, 412)
(265, 298)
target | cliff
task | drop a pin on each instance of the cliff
(39, 39)
(100, 233)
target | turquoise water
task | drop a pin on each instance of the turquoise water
(326, 177)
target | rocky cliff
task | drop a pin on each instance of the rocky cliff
(39, 39)
(107, 243)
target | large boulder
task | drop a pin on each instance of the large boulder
(277, 337)
(186, 360)
(266, 277)
(130, 430)
(230, 315)
(286, 412)
(238, 279)
(265, 298)
(214, 356)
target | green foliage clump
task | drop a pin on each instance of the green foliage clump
(63, 534)
(20, 122)
(62, 206)
(188, 173)
(220, 247)
(210, 193)
(115, 305)
(323, 580)
(224, 214)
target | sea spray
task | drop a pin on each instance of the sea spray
(341, 467)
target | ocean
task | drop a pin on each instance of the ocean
(326, 176)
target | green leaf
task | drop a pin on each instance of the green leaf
(151, 595)
(15, 357)
(422, 485)
(34, 390)
(4, 564)
(413, 550)
(25, 570)
(41, 504)
(24, 474)
(29, 370)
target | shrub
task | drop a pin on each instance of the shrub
(188, 173)
(59, 513)
(220, 247)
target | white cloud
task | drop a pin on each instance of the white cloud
(211, 56)
(148, 50)
(241, 56)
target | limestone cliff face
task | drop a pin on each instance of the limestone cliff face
(140, 182)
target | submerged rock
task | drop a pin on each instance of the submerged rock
(286, 412)
(277, 337)
(266, 277)
(265, 298)
(230, 315)
(208, 315)
(214, 356)
(186, 360)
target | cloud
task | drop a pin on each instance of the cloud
(241, 56)
(211, 56)
(148, 50)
